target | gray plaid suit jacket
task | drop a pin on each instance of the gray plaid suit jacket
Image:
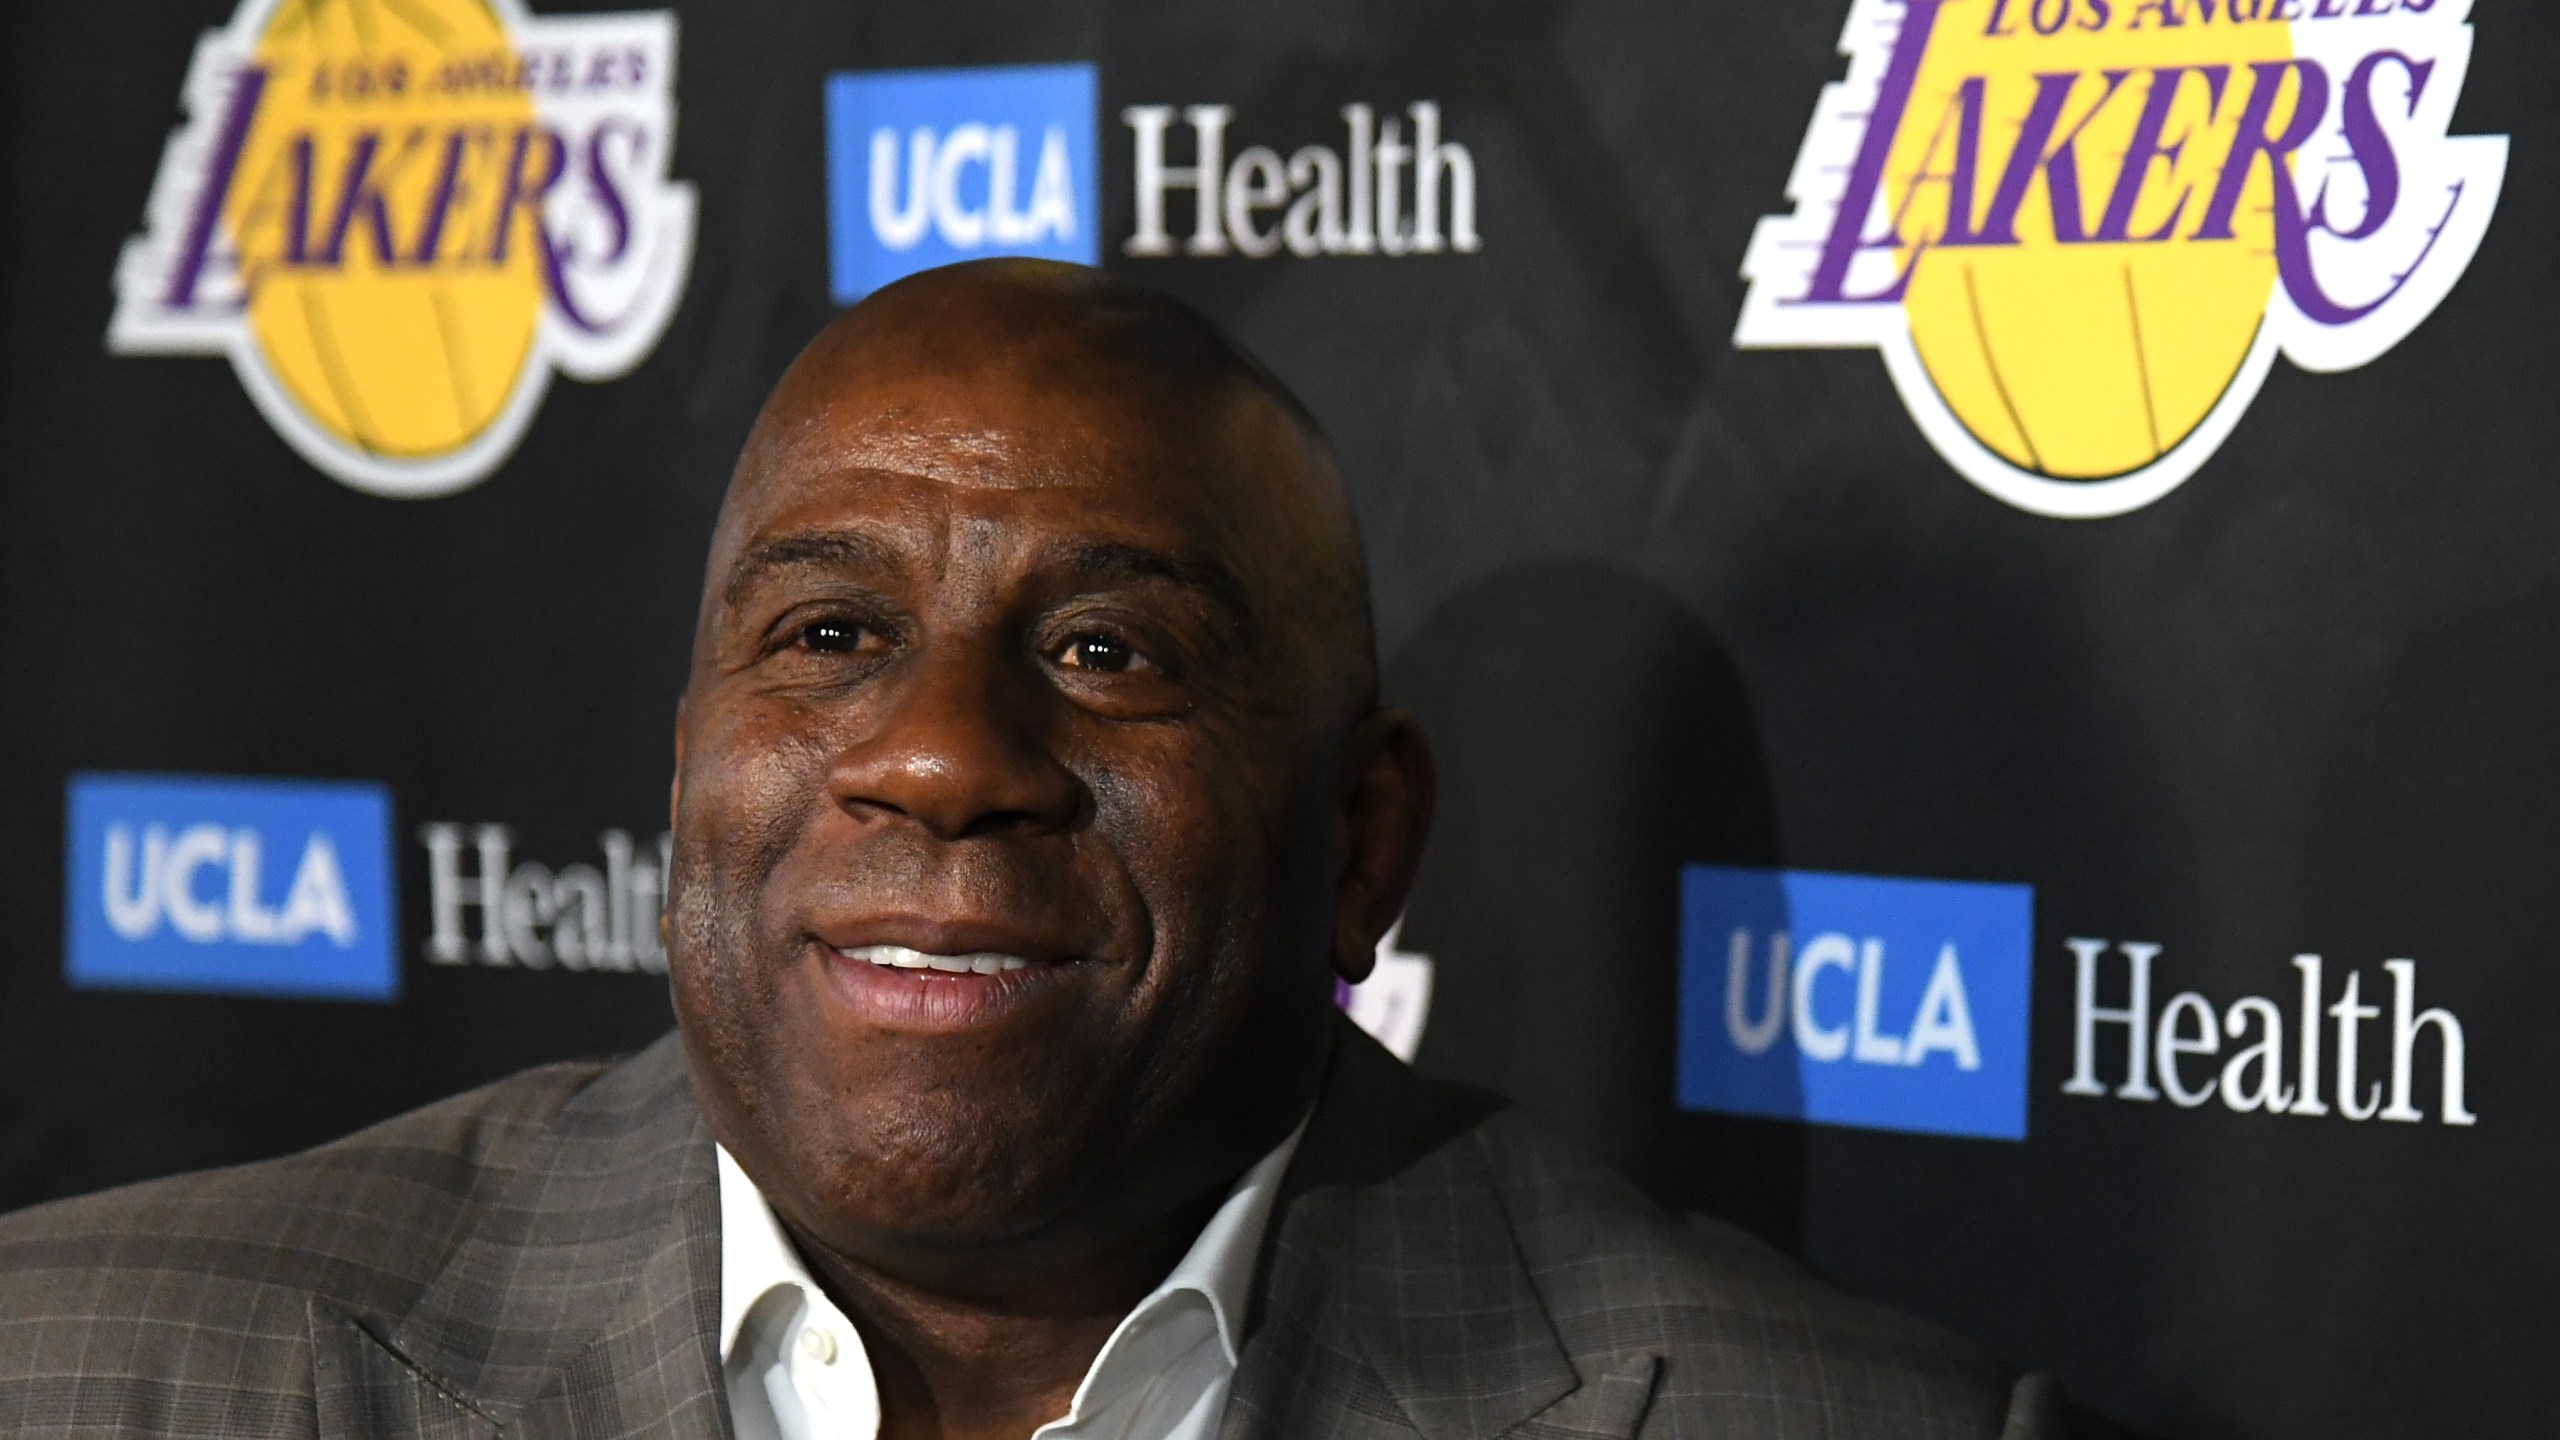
(542, 1258)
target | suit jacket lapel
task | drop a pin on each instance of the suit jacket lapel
(585, 1300)
(1394, 1299)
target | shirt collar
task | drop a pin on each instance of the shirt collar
(755, 1255)
(1219, 1265)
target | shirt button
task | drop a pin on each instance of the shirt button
(818, 1345)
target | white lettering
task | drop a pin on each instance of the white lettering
(2308, 1102)
(2404, 1039)
(1255, 182)
(2174, 1042)
(578, 918)
(581, 917)
(1154, 177)
(318, 899)
(524, 904)
(1872, 1048)
(2252, 1079)
(1826, 952)
(899, 227)
(1393, 238)
(1945, 1021)
(1361, 239)
(448, 890)
(2267, 1055)
(1314, 184)
(196, 847)
(1053, 191)
(1754, 1037)
(133, 893)
(2351, 1017)
(250, 921)
(166, 882)
(960, 227)
(2135, 1016)
(1432, 159)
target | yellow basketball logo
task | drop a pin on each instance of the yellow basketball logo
(398, 219)
(2081, 231)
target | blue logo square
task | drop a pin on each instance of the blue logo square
(1856, 1000)
(243, 887)
(926, 167)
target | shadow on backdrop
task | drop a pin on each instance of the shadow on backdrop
(1593, 737)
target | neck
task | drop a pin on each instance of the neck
(992, 1346)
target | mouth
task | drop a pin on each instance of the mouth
(900, 957)
(924, 978)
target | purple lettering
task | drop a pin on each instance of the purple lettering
(204, 222)
(600, 180)
(2371, 148)
(450, 189)
(523, 193)
(303, 166)
(1966, 114)
(1866, 175)
(2252, 141)
(2144, 150)
(361, 191)
(2038, 149)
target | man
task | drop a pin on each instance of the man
(1031, 793)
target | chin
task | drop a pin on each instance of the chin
(936, 1166)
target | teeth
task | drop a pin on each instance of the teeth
(899, 957)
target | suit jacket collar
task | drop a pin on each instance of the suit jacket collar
(1394, 1289)
(585, 1299)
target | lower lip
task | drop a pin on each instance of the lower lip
(937, 1001)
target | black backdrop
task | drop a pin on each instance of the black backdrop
(1660, 599)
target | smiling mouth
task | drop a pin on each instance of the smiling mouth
(899, 957)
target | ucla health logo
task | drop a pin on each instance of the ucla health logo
(257, 887)
(396, 221)
(925, 167)
(2081, 231)
(1855, 1000)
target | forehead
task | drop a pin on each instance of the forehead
(1034, 448)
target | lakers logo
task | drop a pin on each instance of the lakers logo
(2082, 231)
(398, 218)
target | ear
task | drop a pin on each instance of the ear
(1386, 798)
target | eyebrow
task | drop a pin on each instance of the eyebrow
(838, 550)
(1114, 560)
(1106, 560)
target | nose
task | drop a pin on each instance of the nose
(959, 749)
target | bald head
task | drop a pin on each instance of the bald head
(1010, 372)
(1032, 792)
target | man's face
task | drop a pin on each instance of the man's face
(1006, 844)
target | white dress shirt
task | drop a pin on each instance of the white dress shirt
(796, 1369)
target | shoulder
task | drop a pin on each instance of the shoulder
(162, 1287)
(353, 1214)
(1743, 1332)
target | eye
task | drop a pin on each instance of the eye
(833, 636)
(1104, 653)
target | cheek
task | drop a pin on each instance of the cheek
(751, 781)
(752, 777)
(1206, 836)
